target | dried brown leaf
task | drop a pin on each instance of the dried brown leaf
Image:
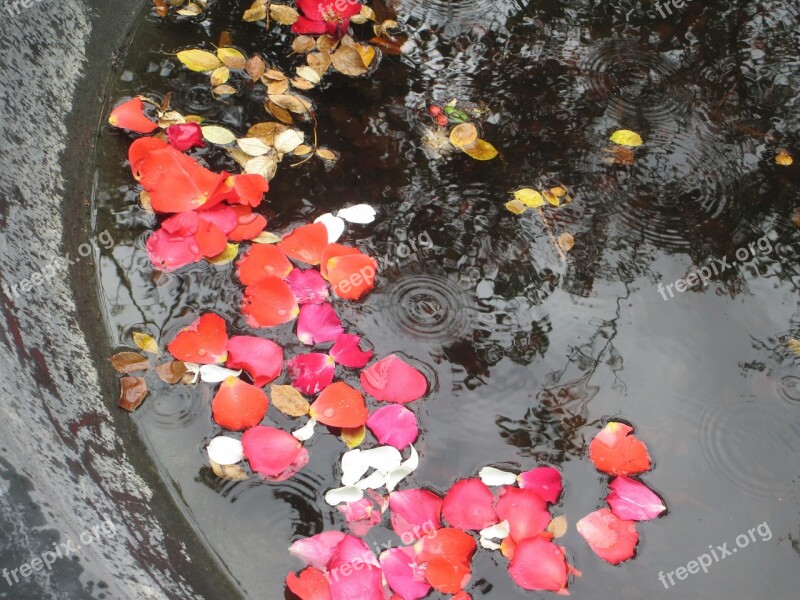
(172, 371)
(255, 67)
(132, 393)
(288, 400)
(129, 362)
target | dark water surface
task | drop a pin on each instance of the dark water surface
(528, 355)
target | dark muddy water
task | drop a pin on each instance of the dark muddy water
(528, 354)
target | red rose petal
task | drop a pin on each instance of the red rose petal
(614, 450)
(205, 341)
(130, 115)
(415, 513)
(347, 351)
(262, 261)
(447, 576)
(394, 425)
(305, 243)
(269, 303)
(239, 405)
(250, 188)
(545, 481)
(311, 584)
(139, 149)
(317, 550)
(262, 359)
(210, 239)
(318, 323)
(168, 251)
(339, 405)
(332, 250)
(469, 504)
(312, 372)
(539, 564)
(223, 217)
(272, 452)
(525, 511)
(249, 224)
(391, 379)
(352, 276)
(612, 539)
(183, 136)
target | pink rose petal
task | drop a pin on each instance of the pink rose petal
(308, 286)
(612, 539)
(539, 564)
(318, 323)
(262, 359)
(469, 504)
(525, 511)
(415, 513)
(394, 425)
(352, 550)
(632, 500)
(545, 481)
(403, 574)
(184, 136)
(394, 380)
(317, 550)
(272, 452)
(311, 373)
(347, 352)
(222, 216)
(168, 252)
(361, 515)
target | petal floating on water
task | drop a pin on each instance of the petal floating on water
(261, 358)
(394, 425)
(539, 564)
(308, 286)
(340, 405)
(269, 303)
(238, 405)
(205, 341)
(346, 351)
(305, 243)
(545, 481)
(612, 539)
(415, 513)
(616, 451)
(469, 504)
(632, 500)
(310, 373)
(273, 452)
(318, 323)
(391, 379)
(260, 262)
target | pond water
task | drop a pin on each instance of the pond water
(528, 355)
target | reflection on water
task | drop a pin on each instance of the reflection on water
(529, 355)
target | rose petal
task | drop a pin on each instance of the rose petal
(393, 380)
(168, 252)
(250, 188)
(318, 323)
(308, 286)
(183, 136)
(469, 504)
(632, 500)
(305, 243)
(130, 115)
(494, 477)
(616, 452)
(317, 550)
(403, 574)
(334, 225)
(351, 276)
(273, 452)
(545, 481)
(347, 352)
(539, 564)
(356, 463)
(311, 584)
(205, 341)
(394, 425)
(238, 405)
(360, 213)
(339, 405)
(306, 432)
(415, 513)
(225, 450)
(405, 469)
(269, 303)
(611, 538)
(348, 493)
(525, 511)
(260, 262)
(249, 224)
(262, 359)
(311, 373)
(216, 374)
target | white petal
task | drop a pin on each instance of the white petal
(382, 458)
(353, 467)
(500, 531)
(306, 431)
(194, 369)
(360, 213)
(349, 493)
(334, 225)
(491, 476)
(225, 450)
(216, 374)
(373, 482)
(489, 544)
(404, 470)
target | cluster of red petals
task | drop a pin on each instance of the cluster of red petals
(325, 16)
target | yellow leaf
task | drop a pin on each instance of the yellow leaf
(516, 207)
(480, 150)
(367, 53)
(291, 102)
(326, 154)
(288, 400)
(285, 15)
(784, 159)
(558, 192)
(566, 241)
(145, 342)
(793, 345)
(551, 197)
(307, 72)
(199, 60)
(232, 58)
(463, 135)
(354, 437)
(303, 44)
(218, 135)
(224, 90)
(558, 526)
(347, 60)
(626, 137)
(266, 237)
(220, 76)
(530, 198)
(223, 258)
(256, 12)
(302, 150)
